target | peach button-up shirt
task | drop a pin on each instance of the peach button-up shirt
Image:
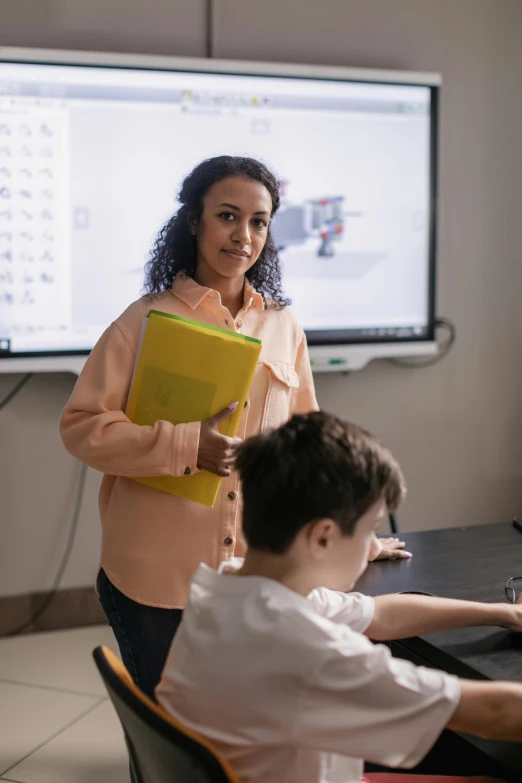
(152, 542)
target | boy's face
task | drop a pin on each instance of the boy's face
(343, 559)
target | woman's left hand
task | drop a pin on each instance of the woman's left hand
(391, 549)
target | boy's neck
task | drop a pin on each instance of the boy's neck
(280, 568)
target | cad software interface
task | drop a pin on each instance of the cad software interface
(91, 159)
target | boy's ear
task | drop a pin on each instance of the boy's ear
(320, 534)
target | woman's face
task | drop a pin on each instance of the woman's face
(233, 227)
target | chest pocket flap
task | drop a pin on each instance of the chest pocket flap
(282, 380)
(283, 372)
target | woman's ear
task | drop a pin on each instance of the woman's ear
(193, 225)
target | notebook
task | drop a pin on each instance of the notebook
(188, 371)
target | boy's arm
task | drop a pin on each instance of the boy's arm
(359, 701)
(402, 616)
(492, 710)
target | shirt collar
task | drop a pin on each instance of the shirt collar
(224, 581)
(192, 294)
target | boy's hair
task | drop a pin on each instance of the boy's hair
(314, 467)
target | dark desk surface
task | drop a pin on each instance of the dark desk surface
(472, 563)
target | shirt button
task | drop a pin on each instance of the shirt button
(232, 495)
(228, 541)
(187, 471)
(239, 324)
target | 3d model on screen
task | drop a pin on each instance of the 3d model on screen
(324, 218)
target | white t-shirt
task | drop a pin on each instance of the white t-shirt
(290, 690)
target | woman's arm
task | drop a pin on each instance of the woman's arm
(303, 398)
(402, 616)
(95, 429)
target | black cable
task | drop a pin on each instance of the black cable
(444, 348)
(12, 394)
(64, 562)
(209, 32)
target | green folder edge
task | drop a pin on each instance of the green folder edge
(205, 326)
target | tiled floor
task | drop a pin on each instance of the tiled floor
(56, 723)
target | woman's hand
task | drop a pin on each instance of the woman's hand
(216, 451)
(388, 549)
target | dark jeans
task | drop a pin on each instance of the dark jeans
(143, 633)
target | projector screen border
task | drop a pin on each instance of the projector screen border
(325, 358)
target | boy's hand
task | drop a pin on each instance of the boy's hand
(390, 549)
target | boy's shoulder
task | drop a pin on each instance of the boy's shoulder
(353, 610)
(264, 612)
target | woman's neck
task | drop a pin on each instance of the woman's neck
(230, 289)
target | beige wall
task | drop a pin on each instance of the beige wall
(456, 427)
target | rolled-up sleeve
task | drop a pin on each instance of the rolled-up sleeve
(95, 429)
(361, 702)
(353, 609)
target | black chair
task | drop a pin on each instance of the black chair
(394, 527)
(161, 749)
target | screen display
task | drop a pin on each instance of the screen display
(91, 159)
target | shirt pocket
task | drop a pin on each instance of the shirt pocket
(282, 380)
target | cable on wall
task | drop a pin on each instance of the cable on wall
(63, 564)
(444, 346)
(70, 538)
(209, 32)
(12, 394)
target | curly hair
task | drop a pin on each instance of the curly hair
(175, 248)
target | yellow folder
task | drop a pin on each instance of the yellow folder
(189, 371)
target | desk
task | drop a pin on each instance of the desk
(471, 563)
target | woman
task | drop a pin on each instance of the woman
(214, 261)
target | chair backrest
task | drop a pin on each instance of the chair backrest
(161, 749)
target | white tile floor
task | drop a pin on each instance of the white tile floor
(56, 723)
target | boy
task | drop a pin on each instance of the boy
(273, 661)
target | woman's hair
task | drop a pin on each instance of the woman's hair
(175, 248)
